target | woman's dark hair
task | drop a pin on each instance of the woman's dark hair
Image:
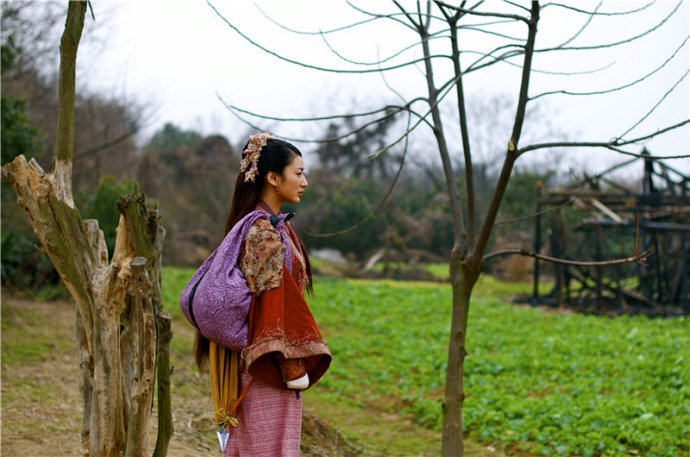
(275, 156)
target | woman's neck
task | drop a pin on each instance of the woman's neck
(271, 202)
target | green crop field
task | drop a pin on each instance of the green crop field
(537, 382)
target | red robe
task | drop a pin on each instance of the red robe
(282, 331)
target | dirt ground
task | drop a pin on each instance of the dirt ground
(42, 411)
(41, 404)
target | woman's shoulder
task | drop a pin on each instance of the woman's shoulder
(262, 231)
(262, 257)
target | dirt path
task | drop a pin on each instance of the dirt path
(41, 404)
(42, 410)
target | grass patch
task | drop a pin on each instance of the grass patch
(536, 382)
(27, 338)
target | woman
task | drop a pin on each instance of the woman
(286, 353)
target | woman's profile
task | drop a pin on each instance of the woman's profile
(256, 391)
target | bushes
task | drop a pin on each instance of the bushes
(101, 205)
(24, 267)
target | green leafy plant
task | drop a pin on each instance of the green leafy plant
(101, 205)
(545, 383)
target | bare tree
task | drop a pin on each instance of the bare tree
(123, 334)
(513, 26)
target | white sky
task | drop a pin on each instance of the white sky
(178, 54)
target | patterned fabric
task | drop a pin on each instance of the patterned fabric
(280, 322)
(222, 297)
(262, 257)
(298, 262)
(282, 329)
(270, 422)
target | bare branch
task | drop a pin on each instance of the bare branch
(407, 15)
(598, 13)
(464, 133)
(94, 150)
(383, 200)
(381, 16)
(511, 153)
(481, 13)
(616, 43)
(519, 52)
(637, 258)
(391, 113)
(584, 26)
(517, 5)
(475, 28)
(657, 104)
(624, 86)
(310, 119)
(612, 144)
(538, 213)
(436, 35)
(337, 29)
(390, 108)
(507, 55)
(459, 228)
(307, 65)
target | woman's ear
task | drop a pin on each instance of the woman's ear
(272, 178)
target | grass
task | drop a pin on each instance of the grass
(543, 383)
(383, 428)
(538, 383)
(27, 338)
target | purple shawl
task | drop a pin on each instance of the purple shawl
(216, 299)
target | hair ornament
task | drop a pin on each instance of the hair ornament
(249, 164)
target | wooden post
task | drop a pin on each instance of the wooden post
(537, 246)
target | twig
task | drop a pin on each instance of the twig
(538, 213)
(657, 103)
(624, 86)
(637, 258)
(616, 43)
(307, 65)
(481, 13)
(597, 13)
(584, 26)
(383, 200)
(106, 145)
(612, 144)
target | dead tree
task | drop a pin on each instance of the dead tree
(123, 334)
(514, 26)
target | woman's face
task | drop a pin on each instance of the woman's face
(293, 182)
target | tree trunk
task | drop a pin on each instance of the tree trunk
(118, 302)
(120, 324)
(462, 283)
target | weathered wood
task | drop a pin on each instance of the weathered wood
(165, 422)
(118, 301)
(64, 134)
(137, 346)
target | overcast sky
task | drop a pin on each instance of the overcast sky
(178, 55)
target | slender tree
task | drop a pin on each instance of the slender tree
(123, 334)
(514, 25)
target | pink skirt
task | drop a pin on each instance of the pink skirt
(270, 422)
